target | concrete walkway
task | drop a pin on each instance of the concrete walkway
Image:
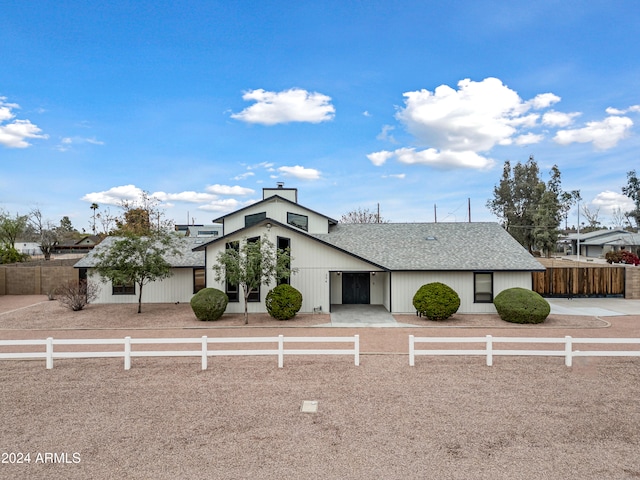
(362, 316)
(352, 316)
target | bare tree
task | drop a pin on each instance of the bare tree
(619, 219)
(44, 232)
(362, 215)
(592, 217)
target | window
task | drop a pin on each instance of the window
(298, 221)
(254, 296)
(283, 245)
(483, 287)
(250, 220)
(199, 279)
(232, 290)
(123, 289)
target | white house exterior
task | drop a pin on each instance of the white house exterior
(382, 264)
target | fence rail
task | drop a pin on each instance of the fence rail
(489, 351)
(128, 352)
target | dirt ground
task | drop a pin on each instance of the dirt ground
(445, 418)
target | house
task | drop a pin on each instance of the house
(83, 245)
(596, 244)
(188, 277)
(383, 263)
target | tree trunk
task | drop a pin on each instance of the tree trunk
(246, 305)
(140, 299)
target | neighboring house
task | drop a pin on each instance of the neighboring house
(214, 230)
(28, 248)
(84, 245)
(188, 276)
(381, 264)
(596, 244)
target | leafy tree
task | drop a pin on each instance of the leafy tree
(529, 209)
(11, 229)
(139, 254)
(632, 190)
(362, 215)
(255, 262)
(137, 259)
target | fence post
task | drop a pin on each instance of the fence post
(568, 351)
(489, 351)
(127, 353)
(412, 351)
(356, 348)
(204, 352)
(49, 361)
(280, 351)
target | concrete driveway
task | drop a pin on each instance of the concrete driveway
(601, 307)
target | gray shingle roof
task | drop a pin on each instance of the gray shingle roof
(189, 258)
(433, 246)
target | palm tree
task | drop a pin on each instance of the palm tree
(94, 207)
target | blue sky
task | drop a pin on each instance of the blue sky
(405, 104)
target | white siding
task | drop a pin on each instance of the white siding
(314, 262)
(276, 210)
(405, 285)
(177, 288)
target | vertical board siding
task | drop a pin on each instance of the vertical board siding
(177, 288)
(406, 284)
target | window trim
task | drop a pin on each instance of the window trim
(291, 222)
(255, 295)
(123, 288)
(204, 274)
(476, 293)
(254, 218)
(232, 291)
(287, 280)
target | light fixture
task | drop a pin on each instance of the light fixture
(373, 274)
(268, 225)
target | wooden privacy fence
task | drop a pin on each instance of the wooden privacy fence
(580, 281)
(203, 352)
(489, 351)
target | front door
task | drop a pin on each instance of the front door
(355, 288)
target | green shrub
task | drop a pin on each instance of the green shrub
(436, 301)
(283, 302)
(519, 305)
(209, 304)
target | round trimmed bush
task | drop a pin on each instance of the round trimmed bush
(436, 301)
(519, 305)
(283, 302)
(209, 304)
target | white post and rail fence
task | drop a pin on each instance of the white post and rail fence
(128, 350)
(489, 349)
(275, 346)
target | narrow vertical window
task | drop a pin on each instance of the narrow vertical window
(483, 287)
(254, 296)
(199, 279)
(230, 289)
(284, 246)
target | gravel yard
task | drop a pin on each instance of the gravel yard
(445, 418)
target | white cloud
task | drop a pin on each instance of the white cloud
(474, 118)
(189, 196)
(379, 158)
(444, 158)
(385, 134)
(400, 176)
(67, 142)
(16, 133)
(609, 201)
(115, 195)
(242, 176)
(617, 111)
(294, 105)
(223, 205)
(300, 172)
(604, 134)
(558, 119)
(528, 139)
(366, 113)
(543, 100)
(229, 190)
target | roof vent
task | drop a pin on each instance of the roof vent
(431, 238)
(280, 184)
